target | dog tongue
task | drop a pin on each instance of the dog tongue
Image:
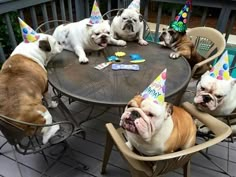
(103, 44)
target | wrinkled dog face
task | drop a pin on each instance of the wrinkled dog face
(100, 33)
(130, 20)
(169, 36)
(143, 117)
(211, 92)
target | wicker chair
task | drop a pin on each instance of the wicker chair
(209, 42)
(143, 166)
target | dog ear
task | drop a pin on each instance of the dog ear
(169, 109)
(89, 25)
(45, 45)
(120, 12)
(140, 18)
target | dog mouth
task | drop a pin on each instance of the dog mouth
(129, 27)
(129, 125)
(103, 42)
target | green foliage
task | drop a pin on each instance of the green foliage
(4, 35)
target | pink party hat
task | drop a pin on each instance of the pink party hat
(28, 34)
(135, 4)
(221, 69)
(96, 16)
(156, 90)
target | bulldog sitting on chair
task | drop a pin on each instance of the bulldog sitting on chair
(154, 127)
(24, 81)
(216, 92)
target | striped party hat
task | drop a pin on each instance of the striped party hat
(96, 16)
(156, 90)
(28, 34)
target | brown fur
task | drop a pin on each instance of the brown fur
(184, 132)
(23, 82)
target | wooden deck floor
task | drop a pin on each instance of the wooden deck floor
(90, 152)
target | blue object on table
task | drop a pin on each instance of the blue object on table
(125, 66)
(112, 58)
(135, 56)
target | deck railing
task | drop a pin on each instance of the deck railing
(36, 12)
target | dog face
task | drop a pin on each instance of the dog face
(144, 117)
(100, 33)
(169, 36)
(130, 20)
(212, 93)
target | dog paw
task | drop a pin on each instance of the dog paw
(121, 43)
(142, 42)
(50, 132)
(83, 60)
(53, 104)
(174, 55)
(129, 145)
(204, 130)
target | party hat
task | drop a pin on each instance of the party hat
(135, 4)
(96, 16)
(156, 90)
(180, 22)
(221, 69)
(28, 34)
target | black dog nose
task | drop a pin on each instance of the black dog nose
(134, 115)
(103, 36)
(129, 21)
(206, 98)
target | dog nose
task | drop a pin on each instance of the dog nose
(206, 98)
(134, 115)
(103, 36)
(129, 21)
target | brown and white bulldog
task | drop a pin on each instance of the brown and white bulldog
(183, 46)
(155, 129)
(24, 82)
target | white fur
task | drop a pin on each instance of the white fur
(82, 36)
(50, 131)
(119, 21)
(32, 50)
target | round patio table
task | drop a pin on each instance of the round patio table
(82, 82)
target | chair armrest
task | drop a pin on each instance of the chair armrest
(216, 126)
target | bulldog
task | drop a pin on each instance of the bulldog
(183, 46)
(128, 25)
(83, 36)
(216, 97)
(155, 129)
(24, 82)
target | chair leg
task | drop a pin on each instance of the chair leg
(186, 169)
(107, 152)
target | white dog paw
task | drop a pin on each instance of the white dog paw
(53, 104)
(121, 43)
(142, 42)
(83, 60)
(174, 55)
(204, 130)
(129, 145)
(49, 133)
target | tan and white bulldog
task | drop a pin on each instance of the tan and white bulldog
(24, 82)
(155, 129)
(183, 46)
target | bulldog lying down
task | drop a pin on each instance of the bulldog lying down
(155, 129)
(83, 36)
(24, 82)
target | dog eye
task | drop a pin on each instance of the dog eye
(219, 96)
(135, 20)
(59, 43)
(108, 32)
(171, 32)
(150, 114)
(97, 34)
(128, 106)
(124, 18)
(202, 88)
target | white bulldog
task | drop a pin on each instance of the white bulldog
(216, 97)
(128, 25)
(157, 129)
(83, 36)
(24, 82)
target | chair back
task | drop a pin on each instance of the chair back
(209, 43)
(28, 143)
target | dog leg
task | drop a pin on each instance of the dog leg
(79, 51)
(48, 98)
(117, 42)
(48, 132)
(141, 41)
(129, 145)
